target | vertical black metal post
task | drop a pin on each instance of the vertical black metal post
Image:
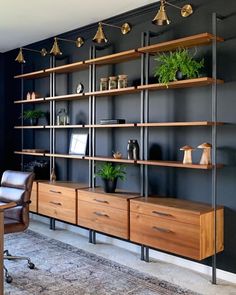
(90, 117)
(142, 117)
(214, 140)
(93, 117)
(22, 120)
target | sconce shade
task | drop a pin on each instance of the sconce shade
(186, 10)
(161, 18)
(100, 36)
(20, 58)
(79, 42)
(55, 48)
(125, 28)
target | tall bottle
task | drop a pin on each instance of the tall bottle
(135, 150)
(130, 149)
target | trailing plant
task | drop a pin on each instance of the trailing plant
(180, 60)
(109, 171)
(33, 114)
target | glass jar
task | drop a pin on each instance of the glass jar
(103, 84)
(112, 82)
(122, 81)
(62, 117)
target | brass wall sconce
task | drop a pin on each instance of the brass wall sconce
(20, 57)
(161, 17)
(100, 36)
(79, 42)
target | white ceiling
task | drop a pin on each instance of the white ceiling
(26, 21)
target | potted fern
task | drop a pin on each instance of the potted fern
(109, 174)
(177, 65)
(33, 116)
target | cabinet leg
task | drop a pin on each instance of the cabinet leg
(94, 237)
(52, 224)
(142, 252)
(147, 254)
(90, 236)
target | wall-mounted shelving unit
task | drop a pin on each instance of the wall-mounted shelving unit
(144, 53)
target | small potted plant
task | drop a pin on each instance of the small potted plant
(33, 116)
(109, 174)
(177, 65)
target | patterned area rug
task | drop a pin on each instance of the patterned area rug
(65, 270)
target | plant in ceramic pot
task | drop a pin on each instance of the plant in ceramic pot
(109, 174)
(33, 116)
(177, 65)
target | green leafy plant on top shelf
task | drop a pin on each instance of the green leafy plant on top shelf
(33, 116)
(110, 173)
(177, 65)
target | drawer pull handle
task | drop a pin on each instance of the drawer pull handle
(55, 192)
(161, 213)
(163, 230)
(100, 201)
(55, 203)
(101, 214)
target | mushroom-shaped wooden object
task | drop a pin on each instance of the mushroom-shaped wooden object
(206, 153)
(187, 154)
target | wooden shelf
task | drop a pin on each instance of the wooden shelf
(107, 159)
(29, 127)
(176, 164)
(37, 100)
(179, 124)
(32, 75)
(69, 68)
(111, 125)
(63, 126)
(66, 97)
(197, 82)
(115, 58)
(65, 156)
(187, 42)
(113, 92)
(29, 154)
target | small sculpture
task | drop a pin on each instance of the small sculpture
(117, 155)
(53, 175)
(206, 153)
(187, 154)
(28, 96)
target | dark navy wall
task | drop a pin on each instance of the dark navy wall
(2, 111)
(172, 105)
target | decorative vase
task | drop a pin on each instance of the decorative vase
(109, 185)
(179, 75)
(33, 121)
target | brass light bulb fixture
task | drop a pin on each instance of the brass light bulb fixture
(20, 57)
(100, 36)
(161, 17)
(79, 42)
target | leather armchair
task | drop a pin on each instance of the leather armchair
(16, 187)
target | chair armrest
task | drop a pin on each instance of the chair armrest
(7, 206)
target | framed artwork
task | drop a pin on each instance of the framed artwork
(78, 144)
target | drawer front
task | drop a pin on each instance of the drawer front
(103, 199)
(55, 190)
(112, 221)
(57, 203)
(164, 212)
(175, 237)
(34, 201)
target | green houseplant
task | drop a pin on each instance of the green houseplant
(177, 65)
(110, 173)
(33, 116)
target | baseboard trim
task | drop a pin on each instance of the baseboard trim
(155, 254)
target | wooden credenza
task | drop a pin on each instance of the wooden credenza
(107, 213)
(177, 226)
(34, 198)
(58, 200)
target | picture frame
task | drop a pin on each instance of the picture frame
(78, 144)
